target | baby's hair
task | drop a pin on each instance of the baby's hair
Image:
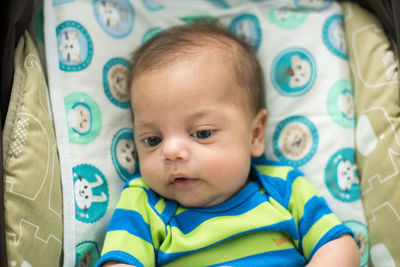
(180, 42)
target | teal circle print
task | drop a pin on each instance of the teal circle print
(334, 37)
(151, 33)
(340, 104)
(248, 26)
(124, 154)
(287, 18)
(75, 47)
(295, 140)
(153, 5)
(91, 193)
(362, 239)
(115, 81)
(87, 254)
(219, 3)
(60, 2)
(315, 5)
(83, 118)
(115, 17)
(293, 72)
(341, 176)
(193, 18)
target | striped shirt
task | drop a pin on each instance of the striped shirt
(277, 219)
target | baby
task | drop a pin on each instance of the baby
(197, 96)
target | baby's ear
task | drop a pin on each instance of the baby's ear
(258, 131)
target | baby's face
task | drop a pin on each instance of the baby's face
(194, 146)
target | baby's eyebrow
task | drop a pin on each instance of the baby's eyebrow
(143, 124)
(200, 114)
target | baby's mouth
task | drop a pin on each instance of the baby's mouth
(181, 181)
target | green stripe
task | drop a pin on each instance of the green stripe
(262, 190)
(179, 210)
(133, 245)
(138, 182)
(302, 192)
(236, 248)
(274, 171)
(214, 230)
(135, 199)
(160, 206)
(317, 231)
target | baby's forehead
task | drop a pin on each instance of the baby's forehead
(208, 53)
(221, 51)
(210, 66)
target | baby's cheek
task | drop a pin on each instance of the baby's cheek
(226, 167)
(150, 169)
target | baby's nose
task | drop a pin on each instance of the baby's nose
(175, 149)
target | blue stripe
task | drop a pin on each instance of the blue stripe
(189, 220)
(169, 210)
(288, 226)
(264, 161)
(314, 209)
(293, 174)
(287, 257)
(152, 197)
(280, 189)
(132, 222)
(119, 256)
(276, 188)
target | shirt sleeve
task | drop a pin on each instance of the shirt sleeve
(130, 239)
(316, 222)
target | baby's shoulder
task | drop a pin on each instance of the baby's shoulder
(276, 169)
(136, 182)
(277, 178)
(138, 190)
(142, 198)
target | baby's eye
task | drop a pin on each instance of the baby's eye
(203, 134)
(152, 140)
